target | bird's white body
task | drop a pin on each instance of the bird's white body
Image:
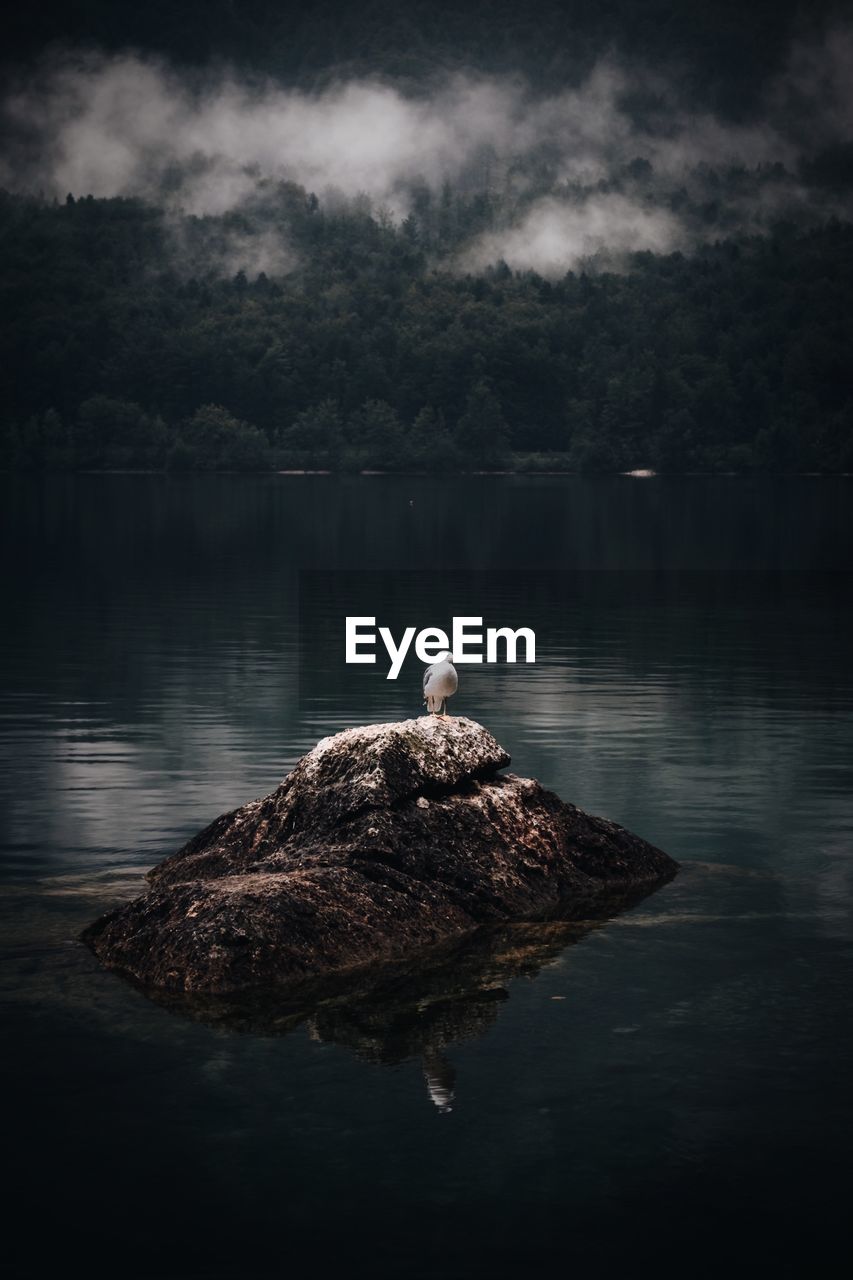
(440, 683)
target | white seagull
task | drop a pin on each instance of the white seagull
(440, 683)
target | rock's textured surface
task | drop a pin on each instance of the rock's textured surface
(383, 840)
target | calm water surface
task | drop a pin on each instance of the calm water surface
(671, 1087)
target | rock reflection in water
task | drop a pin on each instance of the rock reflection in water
(398, 1012)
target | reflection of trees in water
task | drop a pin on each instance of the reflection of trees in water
(416, 1009)
(221, 566)
(225, 528)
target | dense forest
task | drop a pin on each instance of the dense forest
(325, 330)
(120, 348)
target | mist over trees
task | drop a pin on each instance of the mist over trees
(437, 237)
(116, 352)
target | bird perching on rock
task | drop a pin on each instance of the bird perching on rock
(383, 841)
(440, 683)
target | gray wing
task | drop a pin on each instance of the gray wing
(427, 675)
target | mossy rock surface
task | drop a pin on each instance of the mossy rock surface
(383, 840)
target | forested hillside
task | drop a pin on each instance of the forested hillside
(359, 234)
(122, 347)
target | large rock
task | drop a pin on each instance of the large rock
(383, 840)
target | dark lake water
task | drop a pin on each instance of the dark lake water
(668, 1088)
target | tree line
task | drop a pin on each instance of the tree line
(130, 337)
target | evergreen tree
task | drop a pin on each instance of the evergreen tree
(431, 447)
(481, 432)
(315, 437)
(374, 437)
(217, 441)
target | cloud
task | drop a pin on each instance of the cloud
(128, 126)
(201, 143)
(210, 245)
(555, 237)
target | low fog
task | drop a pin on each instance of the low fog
(605, 166)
